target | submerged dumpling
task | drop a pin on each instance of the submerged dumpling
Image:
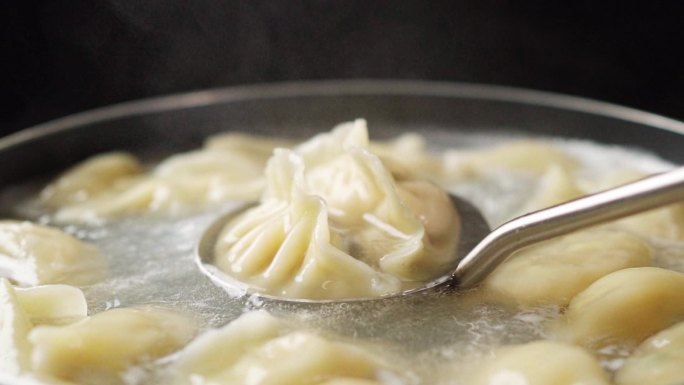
(540, 363)
(22, 309)
(658, 361)
(90, 178)
(528, 156)
(32, 254)
(555, 186)
(257, 349)
(107, 342)
(230, 167)
(555, 271)
(624, 307)
(335, 223)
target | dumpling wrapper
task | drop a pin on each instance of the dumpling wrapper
(333, 223)
(527, 156)
(257, 349)
(555, 271)
(32, 254)
(108, 342)
(22, 309)
(624, 308)
(90, 178)
(540, 363)
(658, 361)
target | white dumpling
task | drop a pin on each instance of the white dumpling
(22, 309)
(528, 156)
(257, 349)
(32, 254)
(624, 308)
(555, 271)
(333, 223)
(540, 363)
(90, 178)
(184, 181)
(107, 342)
(256, 149)
(555, 186)
(658, 361)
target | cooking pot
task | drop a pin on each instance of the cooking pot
(181, 122)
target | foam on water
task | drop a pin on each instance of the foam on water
(151, 261)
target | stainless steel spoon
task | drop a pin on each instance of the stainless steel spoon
(480, 250)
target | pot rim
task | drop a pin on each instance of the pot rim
(213, 96)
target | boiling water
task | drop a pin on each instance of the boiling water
(431, 337)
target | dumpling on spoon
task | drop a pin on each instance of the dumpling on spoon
(335, 223)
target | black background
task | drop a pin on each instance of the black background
(68, 56)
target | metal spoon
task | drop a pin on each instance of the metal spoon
(481, 251)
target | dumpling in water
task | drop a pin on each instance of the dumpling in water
(555, 271)
(90, 178)
(103, 345)
(23, 309)
(658, 360)
(258, 349)
(624, 308)
(335, 223)
(540, 363)
(32, 254)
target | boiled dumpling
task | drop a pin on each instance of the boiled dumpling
(107, 342)
(540, 363)
(256, 149)
(624, 307)
(31, 254)
(189, 180)
(528, 156)
(22, 309)
(90, 178)
(658, 361)
(334, 223)
(257, 349)
(555, 271)
(554, 186)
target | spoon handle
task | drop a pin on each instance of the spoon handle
(631, 198)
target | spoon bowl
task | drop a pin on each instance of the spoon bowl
(480, 250)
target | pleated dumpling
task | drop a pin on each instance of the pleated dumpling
(23, 309)
(258, 349)
(335, 223)
(32, 254)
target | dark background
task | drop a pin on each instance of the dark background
(68, 56)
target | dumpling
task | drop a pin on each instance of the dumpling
(624, 308)
(108, 342)
(256, 149)
(334, 223)
(555, 271)
(658, 361)
(528, 156)
(90, 178)
(22, 309)
(32, 254)
(540, 363)
(554, 186)
(257, 349)
(190, 180)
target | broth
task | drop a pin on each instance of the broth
(152, 261)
